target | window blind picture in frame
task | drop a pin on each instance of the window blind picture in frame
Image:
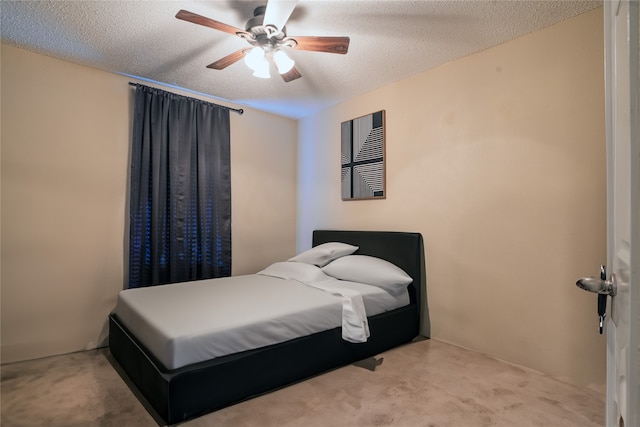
(363, 166)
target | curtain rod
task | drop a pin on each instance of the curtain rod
(236, 110)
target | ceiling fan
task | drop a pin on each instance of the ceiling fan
(267, 35)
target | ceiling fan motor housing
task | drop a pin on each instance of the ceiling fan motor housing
(265, 36)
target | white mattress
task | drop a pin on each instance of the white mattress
(190, 322)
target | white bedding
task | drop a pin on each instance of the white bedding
(190, 322)
(355, 327)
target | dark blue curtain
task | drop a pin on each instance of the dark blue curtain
(180, 208)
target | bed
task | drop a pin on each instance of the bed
(179, 387)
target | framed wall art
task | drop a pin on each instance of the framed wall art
(363, 149)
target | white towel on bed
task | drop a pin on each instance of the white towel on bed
(355, 327)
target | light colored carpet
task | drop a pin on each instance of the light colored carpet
(425, 383)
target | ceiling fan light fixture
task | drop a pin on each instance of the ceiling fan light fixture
(262, 70)
(255, 58)
(283, 62)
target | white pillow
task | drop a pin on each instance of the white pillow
(371, 271)
(323, 254)
(301, 272)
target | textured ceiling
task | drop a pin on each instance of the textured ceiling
(390, 40)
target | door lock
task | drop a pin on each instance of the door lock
(602, 287)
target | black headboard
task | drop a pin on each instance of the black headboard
(402, 249)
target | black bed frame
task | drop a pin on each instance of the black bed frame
(180, 394)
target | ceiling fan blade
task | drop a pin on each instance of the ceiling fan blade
(230, 59)
(322, 44)
(278, 12)
(290, 75)
(185, 15)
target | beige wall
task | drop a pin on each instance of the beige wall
(65, 147)
(498, 159)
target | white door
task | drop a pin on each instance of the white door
(623, 211)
